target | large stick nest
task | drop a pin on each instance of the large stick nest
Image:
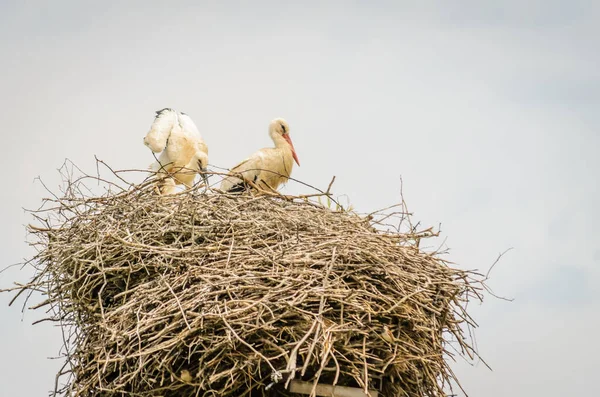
(208, 294)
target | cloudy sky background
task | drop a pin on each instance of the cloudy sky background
(488, 112)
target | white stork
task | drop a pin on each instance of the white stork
(184, 152)
(267, 168)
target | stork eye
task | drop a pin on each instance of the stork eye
(283, 128)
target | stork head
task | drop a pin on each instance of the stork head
(279, 128)
(202, 160)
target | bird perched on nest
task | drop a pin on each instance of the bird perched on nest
(184, 152)
(267, 168)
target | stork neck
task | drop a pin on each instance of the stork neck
(280, 143)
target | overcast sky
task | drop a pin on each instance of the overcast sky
(489, 111)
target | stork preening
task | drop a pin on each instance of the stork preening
(267, 168)
(184, 152)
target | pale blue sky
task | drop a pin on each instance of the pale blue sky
(488, 111)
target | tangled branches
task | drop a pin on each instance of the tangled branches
(208, 294)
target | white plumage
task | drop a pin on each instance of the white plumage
(184, 152)
(267, 168)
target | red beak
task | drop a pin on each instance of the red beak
(289, 140)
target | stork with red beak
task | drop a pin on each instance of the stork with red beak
(267, 168)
